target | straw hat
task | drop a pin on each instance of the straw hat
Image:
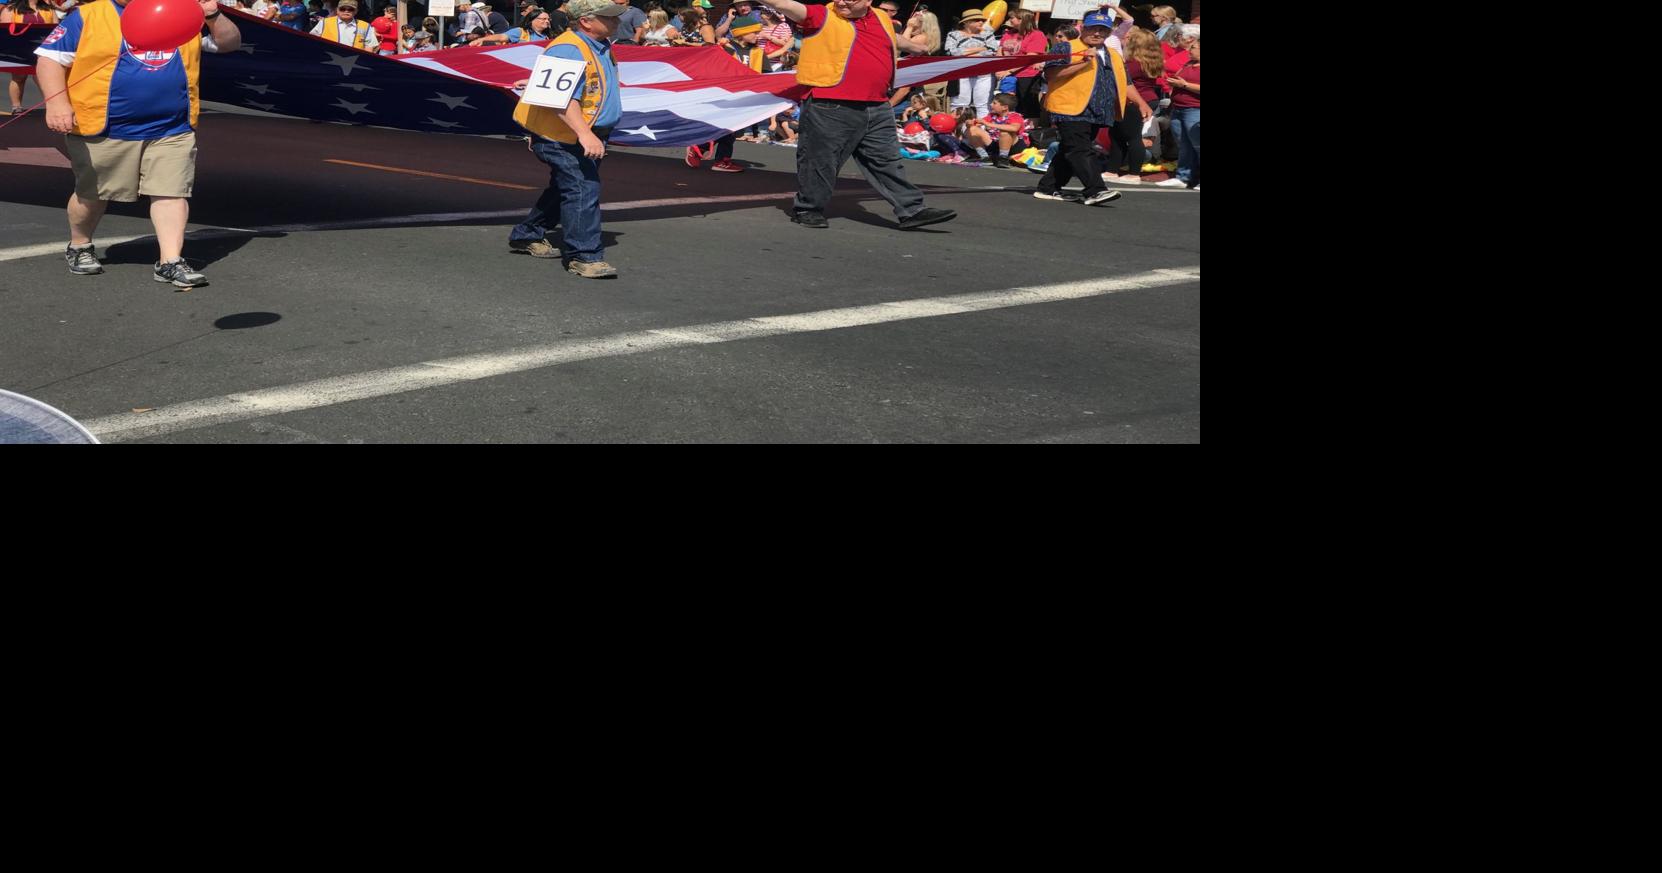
(971, 15)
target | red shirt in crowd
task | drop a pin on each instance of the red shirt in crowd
(1182, 98)
(1149, 88)
(870, 72)
(1175, 61)
(1034, 43)
(387, 29)
(1008, 118)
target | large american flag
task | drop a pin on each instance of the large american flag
(671, 96)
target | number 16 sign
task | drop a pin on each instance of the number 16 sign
(553, 81)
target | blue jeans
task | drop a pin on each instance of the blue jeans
(1185, 128)
(573, 194)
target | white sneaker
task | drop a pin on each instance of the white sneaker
(1102, 197)
(1173, 182)
(1068, 196)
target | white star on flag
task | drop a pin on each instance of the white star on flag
(643, 130)
(447, 100)
(353, 108)
(432, 120)
(358, 88)
(347, 63)
(262, 90)
(269, 107)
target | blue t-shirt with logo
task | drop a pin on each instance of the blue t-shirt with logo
(149, 94)
(611, 109)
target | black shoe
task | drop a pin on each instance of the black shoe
(1001, 162)
(810, 219)
(926, 215)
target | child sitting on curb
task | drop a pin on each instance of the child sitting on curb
(1000, 132)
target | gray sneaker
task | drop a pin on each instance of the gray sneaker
(593, 269)
(179, 274)
(1101, 197)
(83, 261)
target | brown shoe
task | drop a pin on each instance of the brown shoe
(592, 269)
(537, 248)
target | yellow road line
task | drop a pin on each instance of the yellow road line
(433, 175)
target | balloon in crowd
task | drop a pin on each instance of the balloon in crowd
(913, 128)
(943, 122)
(160, 25)
(995, 13)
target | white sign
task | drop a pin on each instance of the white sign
(1036, 5)
(441, 7)
(1073, 10)
(553, 81)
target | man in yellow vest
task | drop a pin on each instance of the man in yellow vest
(848, 57)
(130, 119)
(571, 141)
(1087, 93)
(346, 29)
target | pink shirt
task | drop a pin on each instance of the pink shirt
(779, 33)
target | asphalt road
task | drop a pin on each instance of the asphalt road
(330, 270)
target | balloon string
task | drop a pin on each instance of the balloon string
(19, 116)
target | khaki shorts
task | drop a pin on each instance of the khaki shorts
(121, 170)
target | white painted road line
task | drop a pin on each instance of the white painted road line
(469, 368)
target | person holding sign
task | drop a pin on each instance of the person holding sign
(571, 103)
(849, 53)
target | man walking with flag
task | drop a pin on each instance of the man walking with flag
(571, 141)
(130, 122)
(849, 53)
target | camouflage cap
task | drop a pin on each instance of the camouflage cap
(591, 8)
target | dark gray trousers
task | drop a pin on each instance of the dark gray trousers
(832, 132)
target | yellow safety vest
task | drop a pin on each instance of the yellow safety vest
(100, 49)
(824, 57)
(546, 122)
(331, 32)
(1072, 95)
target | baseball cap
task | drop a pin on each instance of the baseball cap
(592, 8)
(1097, 19)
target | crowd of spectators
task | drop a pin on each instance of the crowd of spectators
(996, 120)
(999, 120)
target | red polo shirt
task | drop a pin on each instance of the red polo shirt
(870, 72)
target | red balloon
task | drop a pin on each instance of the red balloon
(943, 122)
(160, 25)
(913, 128)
